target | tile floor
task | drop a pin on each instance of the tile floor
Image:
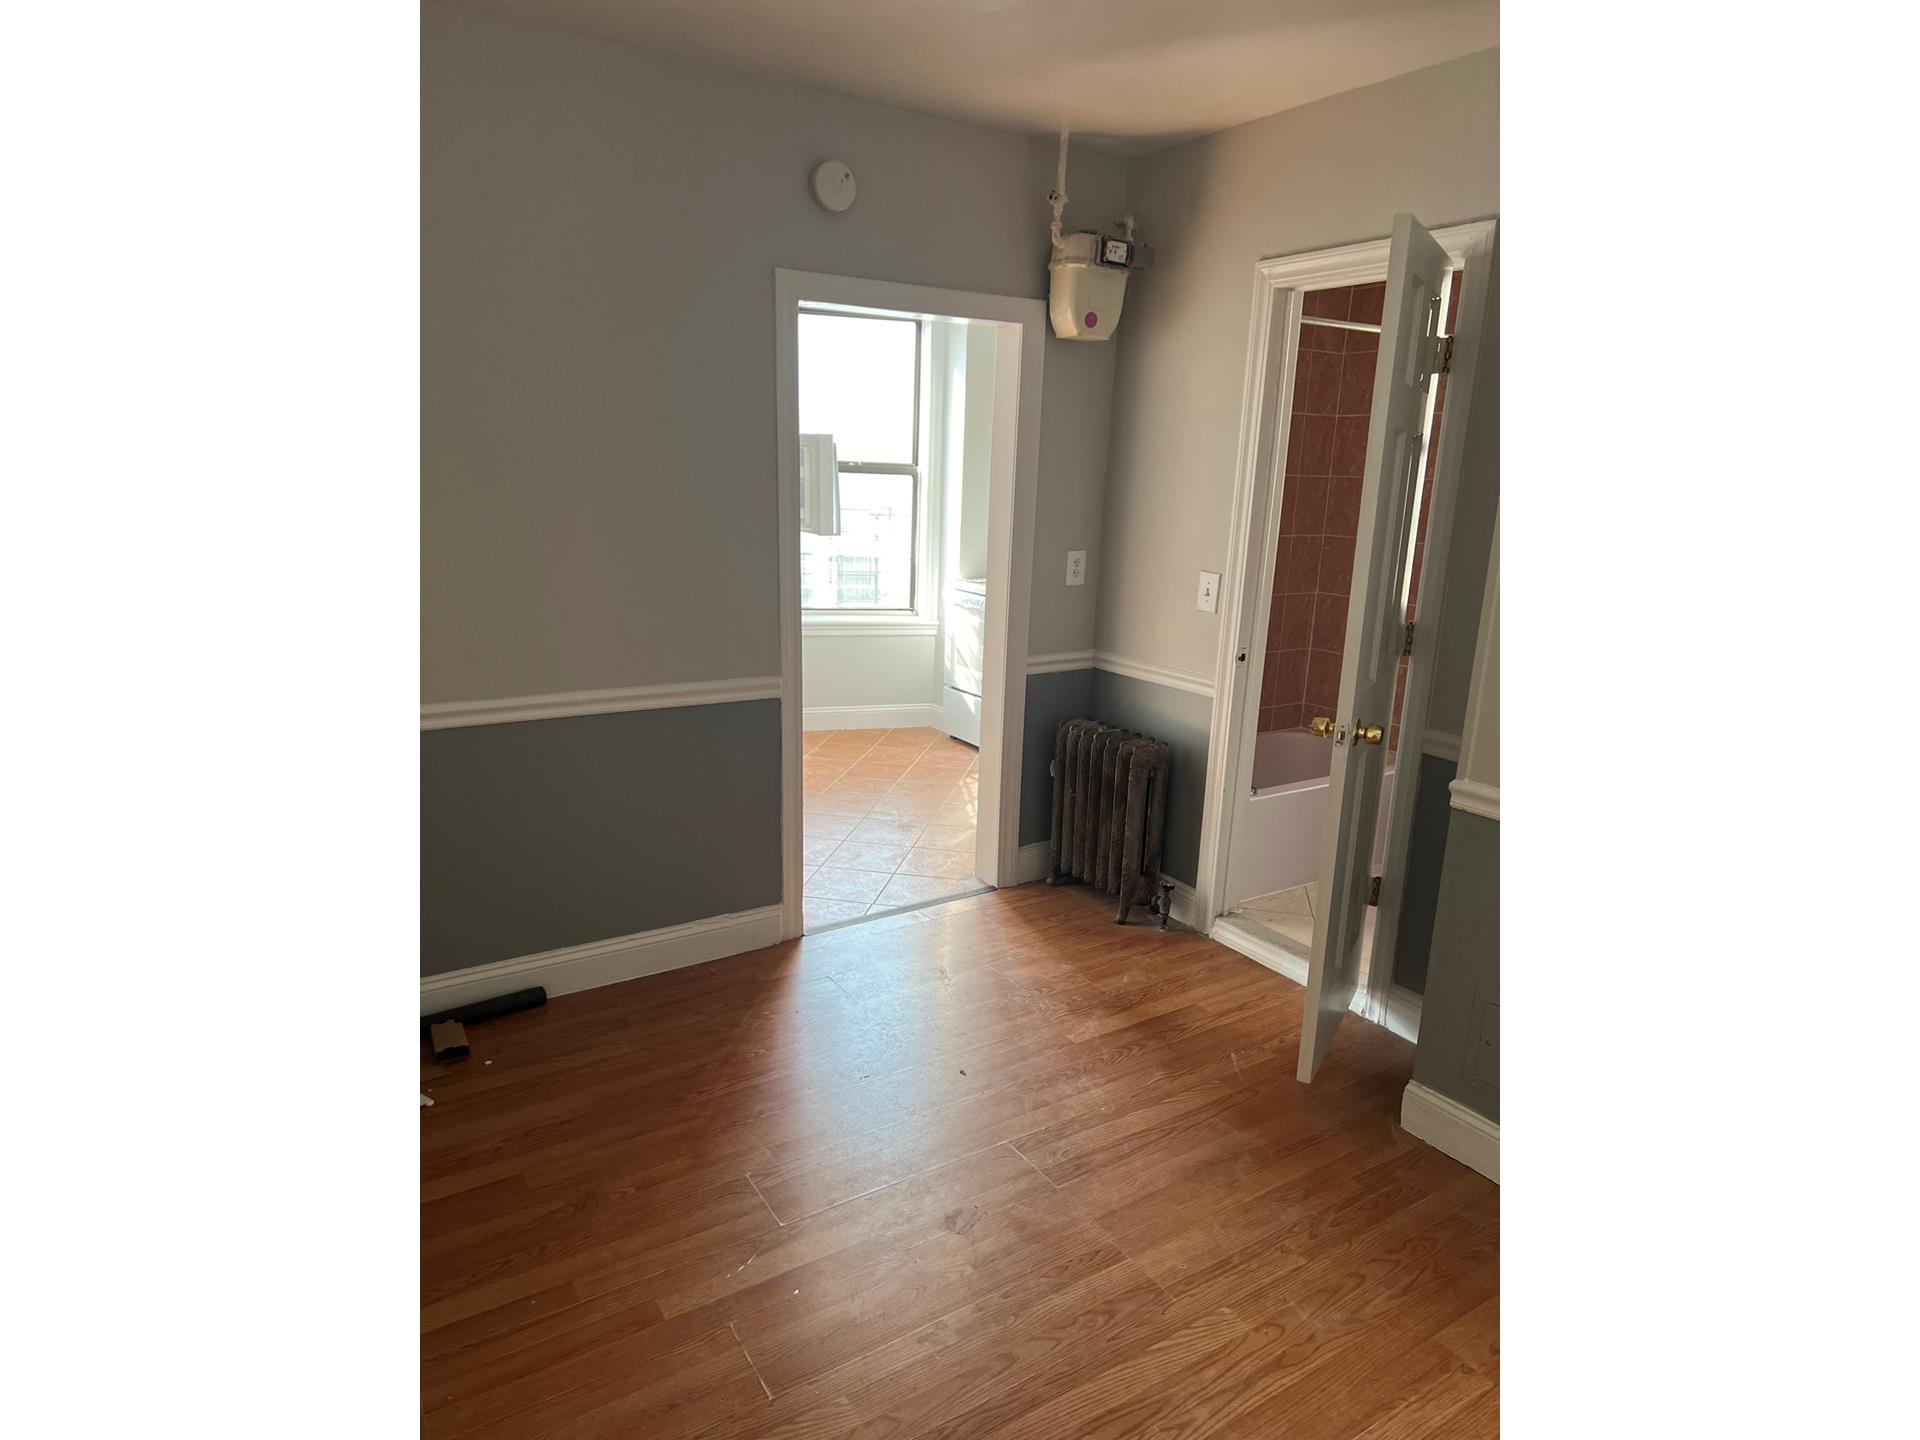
(1289, 915)
(889, 821)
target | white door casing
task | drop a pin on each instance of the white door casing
(1411, 320)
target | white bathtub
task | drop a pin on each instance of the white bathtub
(1278, 831)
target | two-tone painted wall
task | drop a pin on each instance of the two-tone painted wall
(600, 225)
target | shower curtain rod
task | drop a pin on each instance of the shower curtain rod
(1340, 324)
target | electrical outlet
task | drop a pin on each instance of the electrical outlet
(1210, 591)
(1076, 567)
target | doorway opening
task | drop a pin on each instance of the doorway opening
(1342, 491)
(908, 437)
(1274, 851)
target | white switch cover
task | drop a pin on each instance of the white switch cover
(1076, 567)
(1210, 591)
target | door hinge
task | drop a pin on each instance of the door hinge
(1442, 354)
(1406, 640)
(1373, 891)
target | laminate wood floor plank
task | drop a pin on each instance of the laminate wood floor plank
(993, 1168)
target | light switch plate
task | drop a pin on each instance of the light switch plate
(1210, 591)
(1076, 567)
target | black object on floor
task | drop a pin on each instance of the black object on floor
(491, 1008)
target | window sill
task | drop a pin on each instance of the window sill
(868, 625)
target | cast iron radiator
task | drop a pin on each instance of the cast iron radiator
(1109, 813)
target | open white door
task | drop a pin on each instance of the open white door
(1409, 331)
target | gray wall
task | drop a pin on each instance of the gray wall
(1420, 889)
(1459, 1051)
(556, 832)
(1051, 701)
(600, 225)
(599, 229)
(1323, 174)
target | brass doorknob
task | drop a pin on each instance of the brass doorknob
(1370, 733)
(1321, 725)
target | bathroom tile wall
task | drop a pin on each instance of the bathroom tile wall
(1320, 510)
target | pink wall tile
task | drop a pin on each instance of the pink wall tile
(1330, 408)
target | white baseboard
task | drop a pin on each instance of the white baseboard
(1452, 1129)
(606, 962)
(1403, 1012)
(870, 717)
(1030, 863)
(1249, 940)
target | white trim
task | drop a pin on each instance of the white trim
(1060, 662)
(1250, 940)
(506, 711)
(1403, 1012)
(816, 626)
(1030, 863)
(1452, 1129)
(606, 962)
(1441, 745)
(1011, 502)
(871, 717)
(1253, 522)
(1153, 674)
(1476, 797)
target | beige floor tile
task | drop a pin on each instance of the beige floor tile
(830, 882)
(918, 889)
(950, 837)
(875, 765)
(931, 766)
(956, 812)
(936, 791)
(866, 855)
(816, 913)
(842, 749)
(947, 864)
(816, 849)
(839, 802)
(898, 806)
(847, 788)
(1281, 902)
(827, 827)
(879, 830)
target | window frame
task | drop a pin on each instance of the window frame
(916, 618)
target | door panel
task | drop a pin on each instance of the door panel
(1411, 320)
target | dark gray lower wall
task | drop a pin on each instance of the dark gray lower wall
(1179, 717)
(1426, 853)
(549, 833)
(1052, 700)
(1459, 1051)
(1182, 719)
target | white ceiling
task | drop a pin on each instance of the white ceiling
(1129, 75)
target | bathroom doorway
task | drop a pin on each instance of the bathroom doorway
(1311, 390)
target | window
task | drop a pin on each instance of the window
(860, 383)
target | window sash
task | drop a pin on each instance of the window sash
(918, 543)
(918, 489)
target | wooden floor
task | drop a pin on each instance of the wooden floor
(998, 1167)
